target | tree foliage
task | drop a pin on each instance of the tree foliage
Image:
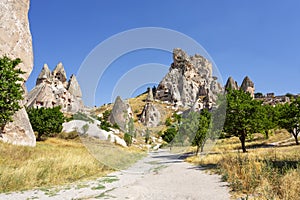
(290, 118)
(169, 134)
(130, 132)
(47, 122)
(203, 131)
(242, 116)
(10, 89)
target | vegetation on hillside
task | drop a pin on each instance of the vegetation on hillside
(10, 89)
(47, 122)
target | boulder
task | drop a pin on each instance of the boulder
(93, 131)
(16, 42)
(121, 113)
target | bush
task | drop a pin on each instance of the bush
(169, 134)
(47, 122)
(105, 125)
(128, 139)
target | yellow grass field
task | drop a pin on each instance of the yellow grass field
(262, 173)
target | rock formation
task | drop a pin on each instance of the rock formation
(248, 86)
(150, 116)
(189, 80)
(52, 89)
(16, 42)
(121, 113)
(231, 84)
(150, 95)
(73, 87)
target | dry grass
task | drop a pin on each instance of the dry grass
(262, 173)
(53, 162)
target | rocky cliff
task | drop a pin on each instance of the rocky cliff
(16, 42)
(53, 89)
(189, 82)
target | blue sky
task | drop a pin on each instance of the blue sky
(258, 38)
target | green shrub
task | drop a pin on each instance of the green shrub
(169, 134)
(128, 139)
(105, 125)
(47, 122)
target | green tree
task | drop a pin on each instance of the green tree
(10, 89)
(204, 127)
(218, 115)
(47, 122)
(290, 118)
(241, 115)
(130, 132)
(268, 116)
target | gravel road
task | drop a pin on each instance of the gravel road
(161, 175)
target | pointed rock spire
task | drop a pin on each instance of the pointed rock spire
(73, 87)
(231, 84)
(121, 113)
(150, 95)
(60, 73)
(44, 75)
(248, 86)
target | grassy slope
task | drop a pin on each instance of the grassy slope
(52, 162)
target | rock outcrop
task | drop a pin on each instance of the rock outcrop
(189, 81)
(121, 113)
(248, 86)
(231, 84)
(150, 116)
(16, 42)
(150, 95)
(52, 89)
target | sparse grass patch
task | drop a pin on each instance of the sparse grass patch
(52, 162)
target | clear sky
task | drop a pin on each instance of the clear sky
(258, 38)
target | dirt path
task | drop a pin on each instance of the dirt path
(158, 176)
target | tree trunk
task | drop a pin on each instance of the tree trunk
(296, 138)
(295, 134)
(197, 151)
(267, 134)
(243, 139)
(202, 148)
